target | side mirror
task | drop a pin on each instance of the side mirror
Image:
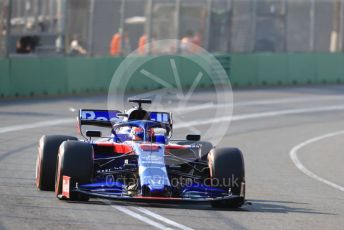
(193, 137)
(93, 133)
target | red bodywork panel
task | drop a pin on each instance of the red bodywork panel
(66, 187)
(118, 148)
(121, 148)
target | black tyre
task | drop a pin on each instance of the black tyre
(227, 171)
(46, 160)
(75, 159)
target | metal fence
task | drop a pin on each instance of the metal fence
(3, 26)
(117, 27)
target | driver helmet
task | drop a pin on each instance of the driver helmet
(137, 134)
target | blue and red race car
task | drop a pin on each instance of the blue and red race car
(138, 161)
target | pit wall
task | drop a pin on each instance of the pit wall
(27, 76)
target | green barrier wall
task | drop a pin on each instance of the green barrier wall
(330, 68)
(27, 76)
(286, 69)
(243, 71)
(301, 69)
(4, 78)
(53, 76)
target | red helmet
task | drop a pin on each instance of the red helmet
(137, 134)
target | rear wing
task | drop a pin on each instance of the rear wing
(163, 117)
(103, 118)
(106, 118)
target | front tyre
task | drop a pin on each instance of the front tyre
(227, 171)
(46, 160)
(75, 159)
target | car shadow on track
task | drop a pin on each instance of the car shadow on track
(273, 206)
(261, 206)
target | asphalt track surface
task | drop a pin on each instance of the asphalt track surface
(293, 145)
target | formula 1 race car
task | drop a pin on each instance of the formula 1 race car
(138, 161)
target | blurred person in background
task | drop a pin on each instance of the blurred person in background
(186, 42)
(75, 47)
(197, 41)
(143, 40)
(141, 44)
(58, 44)
(116, 44)
(27, 44)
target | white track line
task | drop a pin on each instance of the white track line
(299, 165)
(140, 217)
(288, 100)
(35, 125)
(258, 102)
(145, 219)
(161, 218)
(259, 115)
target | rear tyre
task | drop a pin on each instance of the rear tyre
(227, 171)
(46, 160)
(75, 159)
